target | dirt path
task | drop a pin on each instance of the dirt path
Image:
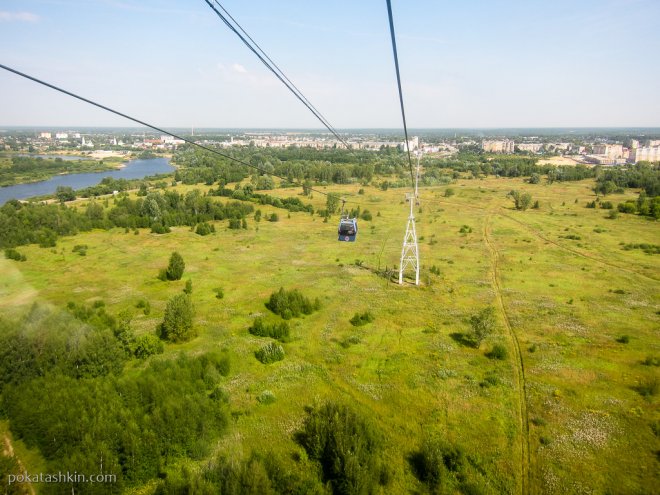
(519, 363)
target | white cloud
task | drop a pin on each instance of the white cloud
(239, 68)
(18, 16)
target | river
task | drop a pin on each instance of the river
(134, 169)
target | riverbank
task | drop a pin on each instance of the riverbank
(134, 169)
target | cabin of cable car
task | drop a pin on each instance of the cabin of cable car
(348, 229)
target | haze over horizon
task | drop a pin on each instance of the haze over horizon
(473, 65)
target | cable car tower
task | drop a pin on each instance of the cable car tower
(410, 250)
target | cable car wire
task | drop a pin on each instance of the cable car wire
(280, 75)
(325, 121)
(398, 81)
(141, 122)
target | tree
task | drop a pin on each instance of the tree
(177, 325)
(482, 324)
(332, 202)
(176, 267)
(522, 200)
(64, 193)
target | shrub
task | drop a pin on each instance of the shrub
(359, 320)
(219, 292)
(273, 218)
(648, 387)
(188, 288)
(366, 215)
(235, 223)
(13, 254)
(147, 345)
(449, 192)
(438, 464)
(482, 325)
(176, 267)
(279, 331)
(159, 228)
(204, 229)
(291, 303)
(346, 445)
(465, 229)
(177, 325)
(624, 339)
(81, 249)
(270, 353)
(498, 352)
(266, 397)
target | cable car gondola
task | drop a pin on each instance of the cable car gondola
(348, 229)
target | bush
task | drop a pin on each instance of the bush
(270, 353)
(188, 289)
(366, 215)
(346, 445)
(359, 320)
(648, 387)
(176, 267)
(498, 352)
(465, 229)
(273, 218)
(159, 228)
(291, 303)
(438, 464)
(234, 223)
(266, 397)
(204, 229)
(13, 254)
(624, 339)
(482, 325)
(177, 325)
(279, 331)
(449, 192)
(147, 345)
(219, 292)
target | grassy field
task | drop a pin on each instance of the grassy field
(566, 412)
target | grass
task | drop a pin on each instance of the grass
(583, 390)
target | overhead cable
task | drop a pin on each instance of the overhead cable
(398, 81)
(261, 55)
(116, 112)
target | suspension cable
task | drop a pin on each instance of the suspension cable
(281, 77)
(398, 80)
(116, 112)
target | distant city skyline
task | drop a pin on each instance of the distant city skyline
(464, 65)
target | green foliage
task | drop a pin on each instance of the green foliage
(291, 304)
(449, 192)
(144, 305)
(188, 289)
(270, 353)
(648, 386)
(498, 352)
(346, 445)
(177, 325)
(147, 345)
(360, 319)
(64, 193)
(439, 464)
(332, 203)
(219, 292)
(647, 248)
(465, 229)
(273, 217)
(234, 223)
(366, 215)
(521, 200)
(483, 324)
(266, 397)
(623, 339)
(159, 228)
(279, 331)
(204, 228)
(136, 422)
(176, 267)
(81, 249)
(13, 254)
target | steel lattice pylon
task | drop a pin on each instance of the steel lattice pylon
(410, 250)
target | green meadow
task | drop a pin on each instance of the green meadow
(571, 408)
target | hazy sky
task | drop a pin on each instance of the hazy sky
(468, 63)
